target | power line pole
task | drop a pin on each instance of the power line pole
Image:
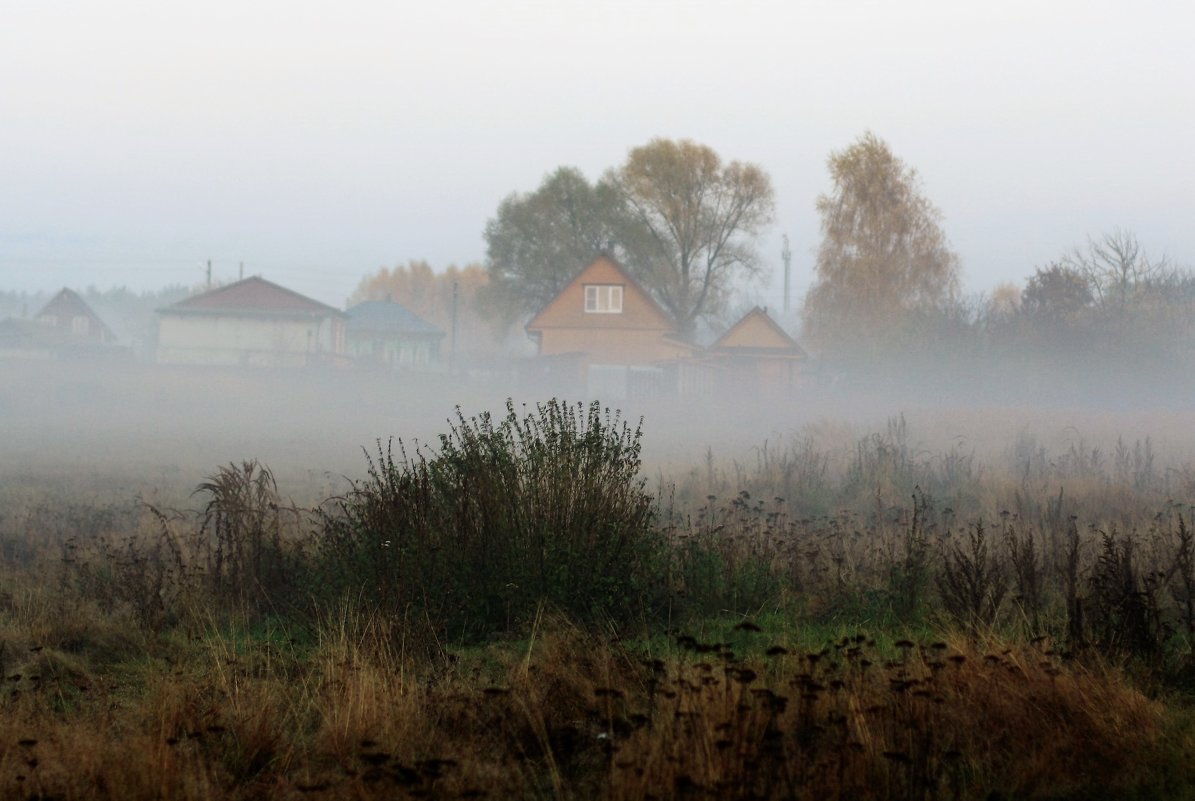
(787, 255)
(209, 273)
(452, 356)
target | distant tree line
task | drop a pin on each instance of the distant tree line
(1108, 298)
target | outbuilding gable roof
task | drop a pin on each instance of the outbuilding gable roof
(757, 333)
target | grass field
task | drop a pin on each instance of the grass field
(533, 608)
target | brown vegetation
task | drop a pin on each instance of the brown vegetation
(566, 714)
(830, 644)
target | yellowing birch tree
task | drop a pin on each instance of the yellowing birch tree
(883, 257)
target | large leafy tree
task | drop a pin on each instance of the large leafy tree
(695, 219)
(674, 214)
(538, 240)
(883, 260)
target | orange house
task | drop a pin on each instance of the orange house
(758, 356)
(603, 316)
(604, 328)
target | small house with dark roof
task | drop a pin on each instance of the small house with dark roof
(65, 327)
(383, 332)
(757, 356)
(69, 315)
(253, 322)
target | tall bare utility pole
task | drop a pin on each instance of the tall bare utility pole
(455, 293)
(787, 255)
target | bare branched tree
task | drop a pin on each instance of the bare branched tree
(699, 218)
(1116, 266)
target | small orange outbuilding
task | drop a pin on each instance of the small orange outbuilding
(758, 356)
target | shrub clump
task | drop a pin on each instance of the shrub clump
(473, 536)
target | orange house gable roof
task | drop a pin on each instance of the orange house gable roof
(567, 309)
(641, 332)
(758, 334)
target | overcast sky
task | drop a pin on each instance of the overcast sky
(319, 141)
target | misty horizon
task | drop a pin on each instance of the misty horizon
(315, 146)
(318, 146)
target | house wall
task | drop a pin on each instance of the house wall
(758, 376)
(75, 322)
(611, 345)
(777, 375)
(79, 325)
(256, 341)
(394, 351)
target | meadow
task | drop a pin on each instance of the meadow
(530, 606)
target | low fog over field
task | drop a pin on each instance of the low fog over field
(133, 427)
(932, 201)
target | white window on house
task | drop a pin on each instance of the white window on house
(603, 298)
(79, 324)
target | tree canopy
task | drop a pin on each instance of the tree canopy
(697, 218)
(538, 240)
(678, 218)
(883, 260)
(1056, 294)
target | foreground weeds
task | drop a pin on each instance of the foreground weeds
(566, 714)
(513, 615)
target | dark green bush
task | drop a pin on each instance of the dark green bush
(473, 536)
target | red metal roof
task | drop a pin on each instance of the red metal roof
(253, 295)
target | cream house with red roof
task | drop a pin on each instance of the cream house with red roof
(252, 322)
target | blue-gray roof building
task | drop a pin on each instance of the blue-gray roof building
(382, 332)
